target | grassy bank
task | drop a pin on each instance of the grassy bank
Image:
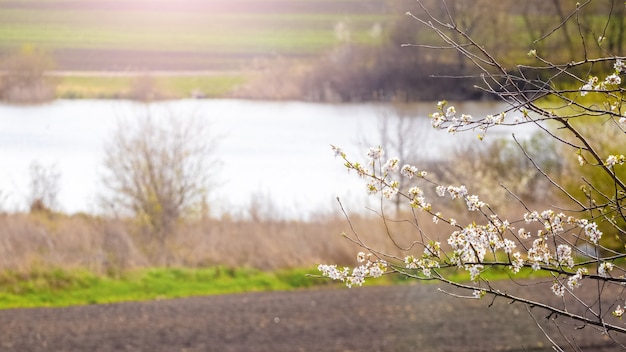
(134, 86)
(59, 288)
(98, 260)
(62, 288)
(49, 259)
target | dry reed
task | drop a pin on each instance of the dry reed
(44, 240)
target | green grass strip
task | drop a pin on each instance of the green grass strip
(171, 87)
(61, 288)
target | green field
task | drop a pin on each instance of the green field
(289, 34)
(88, 37)
(59, 288)
(250, 29)
(62, 288)
(167, 87)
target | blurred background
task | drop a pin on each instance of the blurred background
(193, 133)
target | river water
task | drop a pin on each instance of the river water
(275, 152)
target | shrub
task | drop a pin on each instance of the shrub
(25, 79)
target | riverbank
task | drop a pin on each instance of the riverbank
(283, 81)
(140, 86)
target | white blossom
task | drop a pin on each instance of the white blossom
(558, 289)
(371, 188)
(592, 231)
(332, 272)
(618, 312)
(605, 268)
(517, 263)
(474, 271)
(589, 86)
(457, 192)
(408, 171)
(613, 80)
(473, 203)
(508, 246)
(378, 268)
(465, 119)
(376, 271)
(564, 255)
(437, 119)
(574, 280)
(619, 66)
(415, 192)
(523, 234)
(410, 261)
(338, 151)
(389, 192)
(531, 217)
(432, 249)
(358, 275)
(420, 203)
(392, 165)
(539, 253)
(375, 153)
(613, 160)
(451, 111)
(478, 294)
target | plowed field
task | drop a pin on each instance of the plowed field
(405, 318)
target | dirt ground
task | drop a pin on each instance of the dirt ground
(404, 318)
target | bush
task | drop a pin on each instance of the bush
(25, 79)
(159, 170)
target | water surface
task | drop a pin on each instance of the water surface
(275, 152)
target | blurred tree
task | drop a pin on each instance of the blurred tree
(25, 80)
(44, 187)
(159, 170)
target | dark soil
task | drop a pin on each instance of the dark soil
(404, 318)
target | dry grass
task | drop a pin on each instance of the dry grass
(31, 241)
(45, 240)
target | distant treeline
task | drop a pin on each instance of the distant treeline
(410, 64)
